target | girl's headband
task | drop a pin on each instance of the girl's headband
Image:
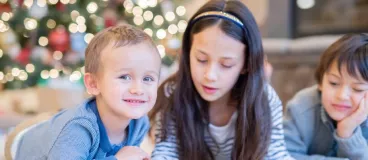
(219, 14)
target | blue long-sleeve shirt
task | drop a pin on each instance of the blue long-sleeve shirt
(77, 133)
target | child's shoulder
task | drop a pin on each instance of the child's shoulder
(305, 101)
(79, 115)
(81, 110)
(73, 122)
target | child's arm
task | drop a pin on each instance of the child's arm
(349, 136)
(165, 149)
(277, 149)
(74, 142)
(296, 145)
(131, 153)
(354, 147)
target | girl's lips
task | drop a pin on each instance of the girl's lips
(209, 90)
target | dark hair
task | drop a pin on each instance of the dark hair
(187, 109)
(350, 50)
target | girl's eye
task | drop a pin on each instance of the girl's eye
(125, 77)
(201, 60)
(227, 66)
(148, 79)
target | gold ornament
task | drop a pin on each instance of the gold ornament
(9, 43)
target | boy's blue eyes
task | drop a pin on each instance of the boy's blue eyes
(128, 78)
(125, 77)
(148, 79)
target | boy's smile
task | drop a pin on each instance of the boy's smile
(134, 101)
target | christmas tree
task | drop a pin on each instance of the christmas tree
(45, 39)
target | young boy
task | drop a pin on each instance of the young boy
(122, 69)
(329, 121)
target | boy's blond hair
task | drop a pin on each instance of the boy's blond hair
(121, 35)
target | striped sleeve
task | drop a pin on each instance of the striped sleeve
(277, 149)
(165, 149)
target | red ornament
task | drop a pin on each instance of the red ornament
(109, 23)
(110, 18)
(24, 55)
(59, 39)
(60, 7)
(5, 7)
(20, 2)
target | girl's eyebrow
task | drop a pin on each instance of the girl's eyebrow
(228, 58)
(224, 57)
(201, 51)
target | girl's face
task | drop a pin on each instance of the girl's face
(216, 61)
(341, 92)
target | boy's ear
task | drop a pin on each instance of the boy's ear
(90, 81)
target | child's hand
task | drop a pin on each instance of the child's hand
(132, 153)
(346, 126)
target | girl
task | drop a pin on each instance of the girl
(328, 121)
(219, 105)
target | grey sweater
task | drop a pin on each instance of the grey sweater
(310, 133)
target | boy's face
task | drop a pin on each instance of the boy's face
(127, 80)
(341, 93)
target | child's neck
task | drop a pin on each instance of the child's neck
(220, 111)
(114, 124)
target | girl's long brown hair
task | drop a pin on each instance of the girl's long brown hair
(189, 111)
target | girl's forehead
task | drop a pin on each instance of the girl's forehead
(213, 39)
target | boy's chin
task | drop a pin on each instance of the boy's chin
(134, 115)
(337, 116)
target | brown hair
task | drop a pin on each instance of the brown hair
(189, 110)
(350, 50)
(121, 35)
